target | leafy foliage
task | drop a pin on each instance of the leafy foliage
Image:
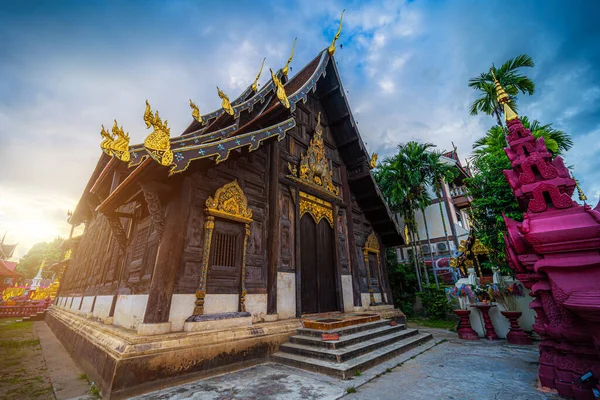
(403, 282)
(510, 79)
(30, 263)
(435, 302)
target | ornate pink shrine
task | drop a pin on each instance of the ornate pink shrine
(555, 252)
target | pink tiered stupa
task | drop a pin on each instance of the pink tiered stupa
(555, 252)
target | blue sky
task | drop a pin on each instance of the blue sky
(66, 67)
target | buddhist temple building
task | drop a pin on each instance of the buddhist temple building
(203, 250)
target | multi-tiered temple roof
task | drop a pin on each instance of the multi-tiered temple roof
(240, 126)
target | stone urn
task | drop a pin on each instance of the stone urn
(465, 331)
(516, 334)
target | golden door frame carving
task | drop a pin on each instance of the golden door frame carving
(372, 246)
(317, 208)
(229, 202)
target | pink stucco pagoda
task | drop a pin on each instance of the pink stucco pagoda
(555, 252)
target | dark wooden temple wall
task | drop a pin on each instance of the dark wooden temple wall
(250, 170)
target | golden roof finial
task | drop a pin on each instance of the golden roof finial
(196, 112)
(255, 84)
(106, 144)
(582, 196)
(225, 103)
(120, 146)
(503, 99)
(286, 69)
(331, 48)
(280, 90)
(158, 142)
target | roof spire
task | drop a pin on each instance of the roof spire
(255, 84)
(503, 99)
(225, 102)
(331, 48)
(196, 113)
(582, 196)
(286, 68)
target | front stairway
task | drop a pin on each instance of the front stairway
(358, 348)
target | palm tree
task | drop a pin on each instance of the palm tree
(512, 82)
(557, 141)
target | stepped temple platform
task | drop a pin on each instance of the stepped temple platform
(124, 363)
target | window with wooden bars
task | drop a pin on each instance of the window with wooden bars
(141, 241)
(224, 248)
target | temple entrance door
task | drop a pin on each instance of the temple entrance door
(374, 270)
(317, 266)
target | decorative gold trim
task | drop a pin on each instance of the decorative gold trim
(331, 48)
(372, 244)
(120, 146)
(158, 143)
(255, 84)
(229, 202)
(105, 145)
(280, 90)
(225, 104)
(209, 227)
(317, 208)
(479, 248)
(196, 112)
(314, 165)
(373, 161)
(286, 68)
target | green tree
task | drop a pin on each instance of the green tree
(491, 193)
(30, 263)
(511, 80)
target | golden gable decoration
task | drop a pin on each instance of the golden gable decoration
(280, 90)
(317, 208)
(106, 144)
(158, 143)
(230, 202)
(314, 165)
(120, 146)
(225, 103)
(372, 244)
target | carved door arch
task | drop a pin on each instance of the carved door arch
(372, 247)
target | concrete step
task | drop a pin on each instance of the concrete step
(349, 330)
(348, 352)
(347, 369)
(346, 340)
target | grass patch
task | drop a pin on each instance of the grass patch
(434, 323)
(83, 376)
(15, 344)
(95, 391)
(357, 373)
(351, 389)
(388, 370)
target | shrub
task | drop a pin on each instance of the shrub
(435, 302)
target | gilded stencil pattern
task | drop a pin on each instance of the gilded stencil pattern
(316, 207)
(314, 165)
(158, 143)
(372, 244)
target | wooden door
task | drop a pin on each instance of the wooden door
(317, 286)
(374, 271)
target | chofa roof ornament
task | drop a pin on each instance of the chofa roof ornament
(331, 48)
(158, 143)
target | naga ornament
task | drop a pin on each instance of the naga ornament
(158, 143)
(120, 146)
(280, 90)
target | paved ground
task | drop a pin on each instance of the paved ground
(67, 379)
(453, 369)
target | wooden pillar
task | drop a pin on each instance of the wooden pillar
(169, 256)
(274, 236)
(351, 242)
(338, 266)
(243, 290)
(368, 267)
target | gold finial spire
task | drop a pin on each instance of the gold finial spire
(331, 48)
(196, 112)
(120, 146)
(582, 196)
(106, 144)
(503, 99)
(255, 84)
(286, 69)
(280, 90)
(225, 103)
